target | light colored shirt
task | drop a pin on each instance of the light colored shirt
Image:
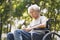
(40, 20)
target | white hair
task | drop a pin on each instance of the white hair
(34, 7)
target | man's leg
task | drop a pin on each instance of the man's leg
(27, 36)
(22, 35)
(10, 36)
(38, 36)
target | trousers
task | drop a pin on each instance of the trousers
(23, 35)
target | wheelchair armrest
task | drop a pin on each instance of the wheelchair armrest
(40, 30)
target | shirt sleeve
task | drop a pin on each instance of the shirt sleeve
(43, 20)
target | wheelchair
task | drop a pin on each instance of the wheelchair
(46, 31)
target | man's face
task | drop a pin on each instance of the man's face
(34, 13)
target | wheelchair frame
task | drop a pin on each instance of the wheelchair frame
(48, 25)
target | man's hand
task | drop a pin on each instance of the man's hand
(27, 29)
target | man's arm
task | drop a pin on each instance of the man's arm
(39, 26)
(43, 23)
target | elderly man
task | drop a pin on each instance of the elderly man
(38, 22)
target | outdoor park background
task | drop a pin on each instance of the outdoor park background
(14, 12)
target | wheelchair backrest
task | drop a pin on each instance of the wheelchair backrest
(48, 24)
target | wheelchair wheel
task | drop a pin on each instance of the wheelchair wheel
(48, 36)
